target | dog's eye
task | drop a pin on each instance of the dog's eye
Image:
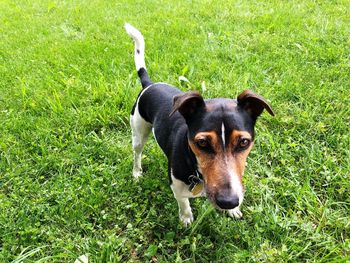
(203, 143)
(243, 143)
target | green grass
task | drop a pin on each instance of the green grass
(67, 85)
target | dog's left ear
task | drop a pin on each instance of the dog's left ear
(188, 103)
(253, 104)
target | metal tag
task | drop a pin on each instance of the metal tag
(197, 189)
(196, 185)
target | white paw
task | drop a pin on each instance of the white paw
(186, 218)
(235, 212)
(136, 174)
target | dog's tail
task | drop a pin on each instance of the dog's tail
(139, 54)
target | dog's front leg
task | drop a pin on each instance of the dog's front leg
(181, 194)
(185, 211)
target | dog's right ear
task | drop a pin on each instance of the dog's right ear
(254, 104)
(188, 103)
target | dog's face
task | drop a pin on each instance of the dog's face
(221, 135)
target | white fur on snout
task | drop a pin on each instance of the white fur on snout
(237, 189)
(236, 186)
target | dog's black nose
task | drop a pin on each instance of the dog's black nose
(227, 202)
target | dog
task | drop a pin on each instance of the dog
(206, 142)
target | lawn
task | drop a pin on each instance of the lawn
(67, 86)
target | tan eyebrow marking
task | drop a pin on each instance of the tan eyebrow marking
(236, 135)
(211, 135)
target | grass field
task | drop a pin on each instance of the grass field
(67, 85)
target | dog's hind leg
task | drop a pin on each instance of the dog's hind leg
(140, 130)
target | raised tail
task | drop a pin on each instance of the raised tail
(139, 54)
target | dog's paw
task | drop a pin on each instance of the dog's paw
(235, 212)
(186, 219)
(137, 174)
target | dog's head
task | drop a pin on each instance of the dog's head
(221, 135)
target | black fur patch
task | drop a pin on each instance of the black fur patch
(143, 75)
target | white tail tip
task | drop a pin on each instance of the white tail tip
(139, 45)
(134, 33)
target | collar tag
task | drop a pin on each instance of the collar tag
(197, 189)
(196, 185)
